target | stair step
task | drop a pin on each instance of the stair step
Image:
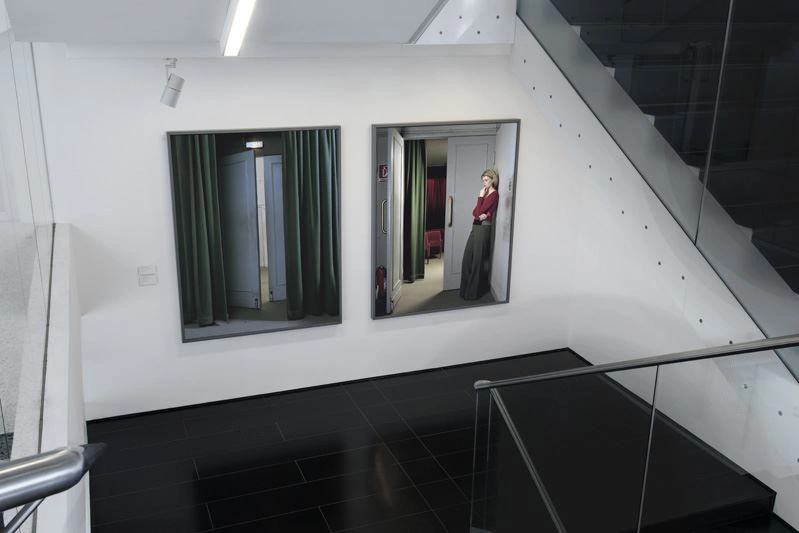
(590, 476)
(769, 523)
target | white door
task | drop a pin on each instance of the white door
(238, 207)
(275, 240)
(396, 169)
(467, 158)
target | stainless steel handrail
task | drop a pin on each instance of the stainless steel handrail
(787, 341)
(29, 480)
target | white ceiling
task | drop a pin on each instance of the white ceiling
(190, 22)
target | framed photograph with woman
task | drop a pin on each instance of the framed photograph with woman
(442, 215)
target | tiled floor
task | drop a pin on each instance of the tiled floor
(395, 454)
(389, 454)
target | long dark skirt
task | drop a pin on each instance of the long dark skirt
(476, 266)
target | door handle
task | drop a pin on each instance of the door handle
(450, 202)
(383, 216)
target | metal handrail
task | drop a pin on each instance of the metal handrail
(29, 480)
(787, 341)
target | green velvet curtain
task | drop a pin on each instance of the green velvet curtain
(415, 211)
(311, 222)
(199, 236)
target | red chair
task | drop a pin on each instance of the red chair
(432, 238)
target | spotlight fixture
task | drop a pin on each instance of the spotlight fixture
(174, 84)
(238, 17)
(254, 144)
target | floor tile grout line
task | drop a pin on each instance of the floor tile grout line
(164, 486)
(196, 470)
(226, 498)
(210, 518)
(430, 452)
(209, 502)
(432, 510)
(137, 427)
(145, 489)
(392, 519)
(135, 468)
(304, 458)
(175, 415)
(321, 512)
(464, 390)
(304, 479)
(405, 472)
(319, 507)
(264, 424)
(157, 445)
(268, 405)
(255, 426)
(337, 502)
(387, 402)
(277, 425)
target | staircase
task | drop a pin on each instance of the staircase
(667, 56)
(590, 449)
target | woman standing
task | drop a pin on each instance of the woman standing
(476, 266)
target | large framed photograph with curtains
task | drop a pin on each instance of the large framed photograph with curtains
(257, 229)
(443, 197)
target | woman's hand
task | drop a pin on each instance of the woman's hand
(483, 192)
(482, 217)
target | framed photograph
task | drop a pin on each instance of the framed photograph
(257, 230)
(442, 215)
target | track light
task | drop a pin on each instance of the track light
(174, 85)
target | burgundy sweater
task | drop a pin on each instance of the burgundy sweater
(486, 205)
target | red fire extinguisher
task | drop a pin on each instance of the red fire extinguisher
(380, 291)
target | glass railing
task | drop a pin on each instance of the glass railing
(26, 232)
(681, 442)
(702, 97)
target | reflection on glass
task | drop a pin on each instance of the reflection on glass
(717, 80)
(257, 230)
(443, 212)
(750, 223)
(666, 56)
(26, 231)
(5, 436)
(700, 461)
(505, 498)
(570, 451)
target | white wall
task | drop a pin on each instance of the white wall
(63, 421)
(505, 162)
(105, 131)
(642, 288)
(584, 274)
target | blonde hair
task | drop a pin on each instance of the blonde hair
(491, 173)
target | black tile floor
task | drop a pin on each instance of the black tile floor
(388, 454)
(393, 454)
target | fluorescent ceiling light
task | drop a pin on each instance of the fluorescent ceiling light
(238, 18)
